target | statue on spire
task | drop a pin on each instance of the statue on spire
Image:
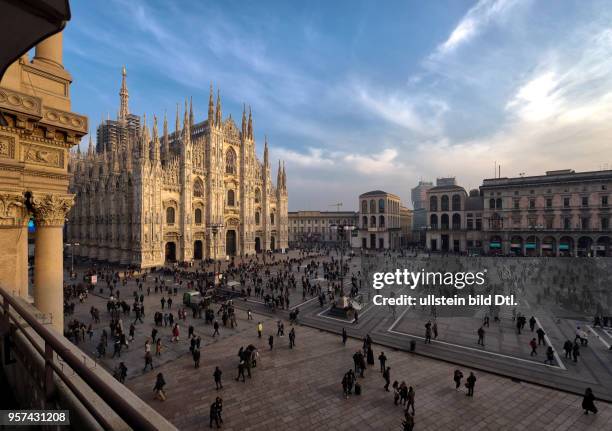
(124, 111)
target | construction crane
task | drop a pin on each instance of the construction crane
(338, 205)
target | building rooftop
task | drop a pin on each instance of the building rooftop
(564, 175)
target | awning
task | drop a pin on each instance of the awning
(24, 23)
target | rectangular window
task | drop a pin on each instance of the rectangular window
(585, 222)
(604, 201)
(567, 223)
(549, 223)
(585, 201)
(548, 202)
(566, 202)
(478, 224)
(532, 203)
(470, 224)
(605, 223)
(516, 204)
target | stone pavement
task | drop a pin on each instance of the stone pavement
(300, 389)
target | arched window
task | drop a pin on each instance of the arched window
(444, 221)
(373, 206)
(433, 221)
(198, 188)
(498, 203)
(433, 203)
(381, 221)
(231, 198)
(492, 203)
(198, 216)
(381, 205)
(456, 221)
(257, 195)
(170, 215)
(364, 207)
(272, 218)
(230, 161)
(456, 203)
(372, 221)
(365, 220)
(444, 203)
(257, 220)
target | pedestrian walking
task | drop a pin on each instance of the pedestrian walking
(217, 376)
(470, 384)
(344, 336)
(160, 383)
(533, 346)
(387, 377)
(550, 355)
(481, 335)
(411, 395)
(196, 358)
(532, 322)
(382, 359)
(588, 402)
(292, 338)
(541, 334)
(259, 329)
(271, 341)
(457, 376)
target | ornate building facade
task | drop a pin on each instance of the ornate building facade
(145, 198)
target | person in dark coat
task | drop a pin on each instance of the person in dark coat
(588, 402)
(471, 382)
(344, 336)
(196, 358)
(457, 376)
(217, 375)
(370, 356)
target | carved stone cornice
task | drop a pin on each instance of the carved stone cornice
(64, 120)
(13, 210)
(50, 209)
(20, 103)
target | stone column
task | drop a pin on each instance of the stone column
(14, 240)
(49, 214)
(50, 51)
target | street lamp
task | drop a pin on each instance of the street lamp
(72, 245)
(214, 228)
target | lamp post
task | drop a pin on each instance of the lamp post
(72, 245)
(214, 228)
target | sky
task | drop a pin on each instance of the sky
(363, 95)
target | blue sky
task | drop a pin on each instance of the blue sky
(362, 95)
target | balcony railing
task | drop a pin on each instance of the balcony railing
(132, 411)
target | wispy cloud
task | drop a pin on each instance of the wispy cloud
(472, 23)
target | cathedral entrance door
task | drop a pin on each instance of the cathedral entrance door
(257, 245)
(170, 252)
(230, 242)
(197, 250)
(272, 244)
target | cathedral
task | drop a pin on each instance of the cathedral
(145, 198)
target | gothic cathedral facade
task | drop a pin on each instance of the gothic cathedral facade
(145, 199)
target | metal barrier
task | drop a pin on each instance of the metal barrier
(54, 344)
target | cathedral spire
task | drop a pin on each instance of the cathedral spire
(211, 108)
(250, 126)
(266, 161)
(218, 113)
(155, 142)
(186, 137)
(279, 176)
(284, 177)
(123, 96)
(165, 142)
(90, 149)
(177, 125)
(190, 112)
(244, 122)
